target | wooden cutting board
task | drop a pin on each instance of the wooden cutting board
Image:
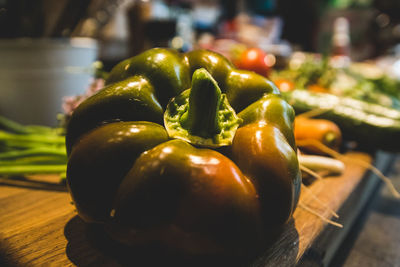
(39, 225)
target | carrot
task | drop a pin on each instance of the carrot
(324, 131)
(317, 88)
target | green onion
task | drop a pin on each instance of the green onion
(31, 149)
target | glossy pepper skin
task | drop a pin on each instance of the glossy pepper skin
(125, 171)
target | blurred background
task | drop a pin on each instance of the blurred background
(47, 48)
(126, 27)
(55, 54)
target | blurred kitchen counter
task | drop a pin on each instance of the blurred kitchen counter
(375, 237)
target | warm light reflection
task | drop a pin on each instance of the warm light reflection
(134, 129)
(258, 136)
(282, 147)
(265, 105)
(239, 180)
(115, 140)
(270, 60)
(252, 55)
(177, 42)
(133, 84)
(203, 160)
(262, 123)
(213, 59)
(159, 57)
(243, 75)
(167, 150)
(285, 87)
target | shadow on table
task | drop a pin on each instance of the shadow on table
(6, 260)
(24, 182)
(283, 252)
(89, 245)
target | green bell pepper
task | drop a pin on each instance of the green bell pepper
(186, 150)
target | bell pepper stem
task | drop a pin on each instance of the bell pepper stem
(202, 114)
(201, 118)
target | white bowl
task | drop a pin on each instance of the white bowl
(35, 74)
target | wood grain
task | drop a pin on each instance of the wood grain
(333, 191)
(39, 226)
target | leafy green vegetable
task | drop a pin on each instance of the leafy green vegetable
(365, 83)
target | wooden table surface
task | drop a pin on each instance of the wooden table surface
(39, 226)
(374, 239)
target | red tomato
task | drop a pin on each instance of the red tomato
(254, 59)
